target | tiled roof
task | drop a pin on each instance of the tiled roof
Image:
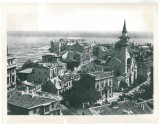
(125, 107)
(51, 54)
(101, 75)
(139, 110)
(27, 100)
(106, 110)
(66, 77)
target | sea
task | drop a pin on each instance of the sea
(26, 47)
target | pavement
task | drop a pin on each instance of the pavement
(115, 96)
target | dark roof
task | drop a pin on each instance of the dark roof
(24, 86)
(70, 56)
(147, 64)
(27, 101)
(26, 71)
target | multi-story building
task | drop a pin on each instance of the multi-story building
(11, 72)
(32, 103)
(85, 49)
(77, 45)
(58, 46)
(101, 51)
(104, 83)
(51, 58)
(57, 85)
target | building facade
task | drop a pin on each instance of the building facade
(58, 46)
(104, 83)
(11, 72)
(42, 73)
(51, 58)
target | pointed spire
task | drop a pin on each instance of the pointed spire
(124, 27)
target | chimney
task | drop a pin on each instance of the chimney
(33, 93)
(27, 90)
(102, 70)
(22, 92)
(142, 106)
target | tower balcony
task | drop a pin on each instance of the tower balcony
(11, 66)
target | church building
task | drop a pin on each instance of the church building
(123, 63)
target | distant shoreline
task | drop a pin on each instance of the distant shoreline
(78, 34)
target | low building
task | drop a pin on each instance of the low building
(29, 87)
(104, 83)
(58, 85)
(42, 73)
(11, 72)
(23, 74)
(26, 103)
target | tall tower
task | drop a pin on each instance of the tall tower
(121, 50)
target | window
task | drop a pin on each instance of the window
(53, 105)
(13, 79)
(110, 83)
(97, 86)
(34, 111)
(39, 72)
(7, 80)
(45, 73)
(46, 108)
(102, 85)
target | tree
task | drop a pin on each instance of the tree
(148, 90)
(123, 85)
(71, 65)
(83, 91)
(140, 79)
(30, 64)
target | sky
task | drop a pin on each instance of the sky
(79, 17)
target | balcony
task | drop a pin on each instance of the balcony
(10, 56)
(11, 66)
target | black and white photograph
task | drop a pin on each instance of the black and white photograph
(80, 59)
